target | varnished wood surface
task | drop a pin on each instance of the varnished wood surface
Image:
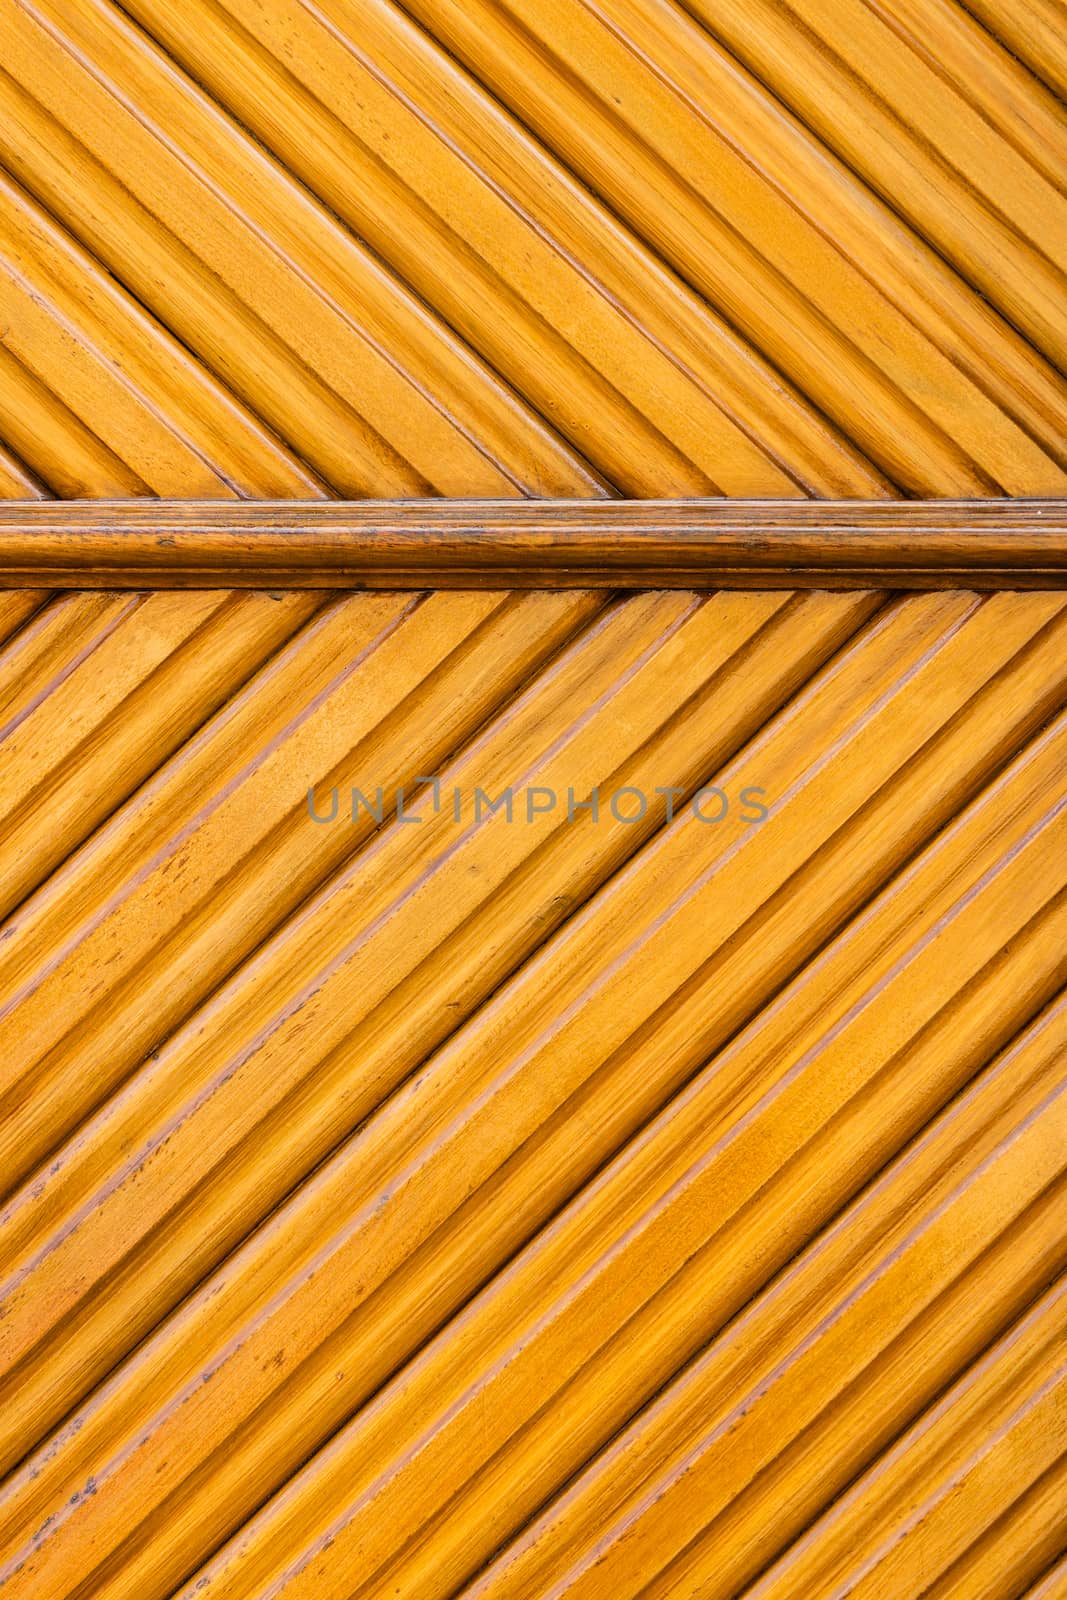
(665, 397)
(446, 1208)
(548, 248)
(555, 544)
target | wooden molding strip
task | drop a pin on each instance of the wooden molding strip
(374, 544)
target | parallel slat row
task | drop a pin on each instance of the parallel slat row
(554, 1206)
(556, 248)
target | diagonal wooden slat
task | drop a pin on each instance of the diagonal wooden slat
(769, 1420)
(90, 712)
(466, 206)
(258, 271)
(966, 1446)
(95, 351)
(1052, 1585)
(918, 102)
(423, 1177)
(1036, 35)
(577, 247)
(752, 212)
(301, 1231)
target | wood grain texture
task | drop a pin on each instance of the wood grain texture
(533, 799)
(555, 544)
(510, 1205)
(596, 248)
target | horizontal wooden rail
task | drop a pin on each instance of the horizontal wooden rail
(986, 544)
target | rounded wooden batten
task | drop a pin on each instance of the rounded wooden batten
(986, 544)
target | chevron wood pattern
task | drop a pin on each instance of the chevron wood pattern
(533, 1019)
(303, 248)
(666, 1201)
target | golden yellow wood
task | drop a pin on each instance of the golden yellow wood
(587, 397)
(607, 1080)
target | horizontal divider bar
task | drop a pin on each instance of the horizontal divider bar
(617, 544)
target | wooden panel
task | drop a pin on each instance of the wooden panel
(663, 1201)
(302, 248)
(533, 1035)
